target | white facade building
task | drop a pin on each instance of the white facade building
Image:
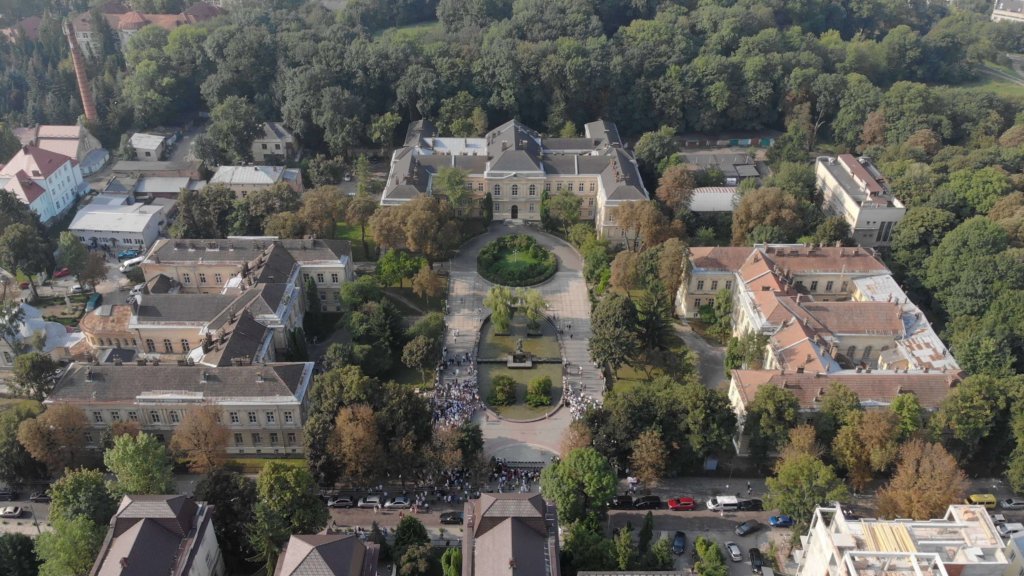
(130, 226)
(48, 182)
(855, 190)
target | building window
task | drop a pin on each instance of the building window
(115, 415)
(533, 189)
(218, 278)
(133, 416)
(270, 418)
(257, 439)
(234, 417)
(154, 416)
(700, 285)
(728, 284)
(515, 189)
(88, 440)
(238, 439)
(696, 303)
(592, 187)
(843, 287)
(291, 438)
(814, 286)
(277, 146)
(547, 186)
(273, 438)
(174, 417)
(714, 284)
(479, 186)
(288, 416)
(580, 187)
(305, 277)
(497, 189)
(559, 186)
(851, 351)
(168, 347)
(590, 202)
(828, 286)
(532, 207)
(150, 345)
(867, 353)
(202, 278)
(97, 416)
(252, 417)
(185, 346)
(319, 277)
(186, 278)
(334, 277)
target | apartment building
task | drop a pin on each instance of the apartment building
(854, 189)
(516, 166)
(171, 535)
(49, 183)
(263, 406)
(1008, 10)
(964, 542)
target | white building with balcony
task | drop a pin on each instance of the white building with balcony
(855, 190)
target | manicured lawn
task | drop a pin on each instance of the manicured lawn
(422, 305)
(254, 465)
(520, 410)
(629, 376)
(353, 234)
(516, 260)
(411, 377)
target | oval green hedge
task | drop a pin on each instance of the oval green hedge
(516, 260)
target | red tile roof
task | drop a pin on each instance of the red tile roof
(36, 162)
(24, 188)
(724, 258)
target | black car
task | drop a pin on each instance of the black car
(451, 518)
(679, 542)
(40, 497)
(756, 560)
(748, 527)
(647, 503)
(8, 494)
(750, 505)
(621, 502)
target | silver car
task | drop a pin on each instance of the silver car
(369, 502)
(1012, 504)
(735, 554)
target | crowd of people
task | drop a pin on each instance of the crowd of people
(456, 390)
(511, 478)
(575, 397)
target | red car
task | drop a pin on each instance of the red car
(684, 503)
(61, 273)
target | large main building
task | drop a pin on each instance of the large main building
(516, 166)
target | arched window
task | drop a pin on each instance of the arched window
(515, 189)
(117, 342)
(168, 347)
(851, 351)
(150, 345)
(497, 189)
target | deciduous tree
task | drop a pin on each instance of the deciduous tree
(287, 503)
(359, 212)
(56, 437)
(20, 251)
(35, 374)
(427, 284)
(801, 484)
(420, 353)
(648, 458)
(580, 484)
(16, 464)
(614, 340)
(644, 223)
(837, 406)
(141, 465)
(563, 209)
(17, 555)
(769, 418)
(675, 188)
(72, 254)
(202, 439)
(95, 270)
(82, 492)
(70, 548)
(766, 207)
(926, 482)
(233, 497)
(357, 444)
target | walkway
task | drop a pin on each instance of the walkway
(711, 358)
(568, 304)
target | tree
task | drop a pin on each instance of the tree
(614, 340)
(16, 464)
(396, 265)
(909, 414)
(287, 503)
(563, 209)
(9, 143)
(643, 223)
(964, 253)
(916, 236)
(427, 284)
(625, 555)
(746, 351)
(82, 493)
(357, 443)
(538, 393)
(252, 211)
(801, 484)
(202, 439)
(503, 391)
(499, 301)
(367, 185)
(867, 444)
(451, 562)
(451, 182)
(416, 560)
(322, 208)
(766, 207)
(204, 213)
(648, 458)
(769, 418)
(969, 414)
(653, 147)
(20, 251)
(359, 212)
(73, 254)
(233, 497)
(837, 406)
(35, 374)
(420, 353)
(577, 435)
(803, 439)
(17, 555)
(580, 484)
(141, 465)
(56, 437)
(71, 548)
(675, 188)
(234, 124)
(926, 482)
(382, 129)
(534, 307)
(95, 270)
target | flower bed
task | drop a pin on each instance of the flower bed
(516, 260)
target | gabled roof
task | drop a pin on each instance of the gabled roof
(719, 258)
(275, 131)
(36, 162)
(327, 555)
(22, 186)
(153, 535)
(247, 175)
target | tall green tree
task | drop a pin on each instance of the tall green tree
(72, 254)
(16, 464)
(801, 484)
(35, 374)
(82, 493)
(770, 416)
(234, 124)
(141, 465)
(70, 548)
(20, 251)
(563, 209)
(614, 339)
(837, 406)
(233, 497)
(927, 480)
(580, 484)
(18, 555)
(451, 182)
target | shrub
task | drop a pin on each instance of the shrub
(534, 264)
(539, 392)
(503, 391)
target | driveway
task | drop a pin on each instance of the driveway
(711, 357)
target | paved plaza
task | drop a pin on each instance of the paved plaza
(568, 305)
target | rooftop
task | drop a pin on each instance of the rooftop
(35, 162)
(275, 131)
(730, 165)
(327, 555)
(714, 199)
(146, 141)
(859, 179)
(127, 218)
(504, 530)
(875, 388)
(248, 175)
(243, 250)
(180, 308)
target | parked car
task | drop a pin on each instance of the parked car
(647, 503)
(398, 502)
(735, 554)
(756, 560)
(371, 501)
(8, 494)
(1012, 504)
(341, 502)
(682, 503)
(679, 542)
(748, 527)
(23, 285)
(781, 521)
(126, 254)
(42, 496)
(137, 289)
(94, 302)
(750, 505)
(1010, 529)
(61, 272)
(77, 289)
(11, 512)
(451, 518)
(622, 502)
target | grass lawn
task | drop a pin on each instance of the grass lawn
(411, 377)
(493, 346)
(353, 234)
(423, 305)
(421, 33)
(629, 376)
(520, 410)
(254, 465)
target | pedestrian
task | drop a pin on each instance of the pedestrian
(376, 509)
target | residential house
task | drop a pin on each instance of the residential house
(49, 183)
(263, 406)
(169, 535)
(854, 189)
(1008, 10)
(134, 226)
(734, 168)
(516, 166)
(148, 146)
(274, 143)
(73, 141)
(327, 555)
(125, 23)
(510, 533)
(963, 542)
(25, 29)
(245, 179)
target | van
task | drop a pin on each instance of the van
(723, 503)
(986, 500)
(94, 302)
(129, 264)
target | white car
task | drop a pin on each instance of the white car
(10, 512)
(369, 502)
(1012, 504)
(734, 551)
(1009, 529)
(137, 289)
(398, 502)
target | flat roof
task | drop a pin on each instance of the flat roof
(146, 141)
(133, 218)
